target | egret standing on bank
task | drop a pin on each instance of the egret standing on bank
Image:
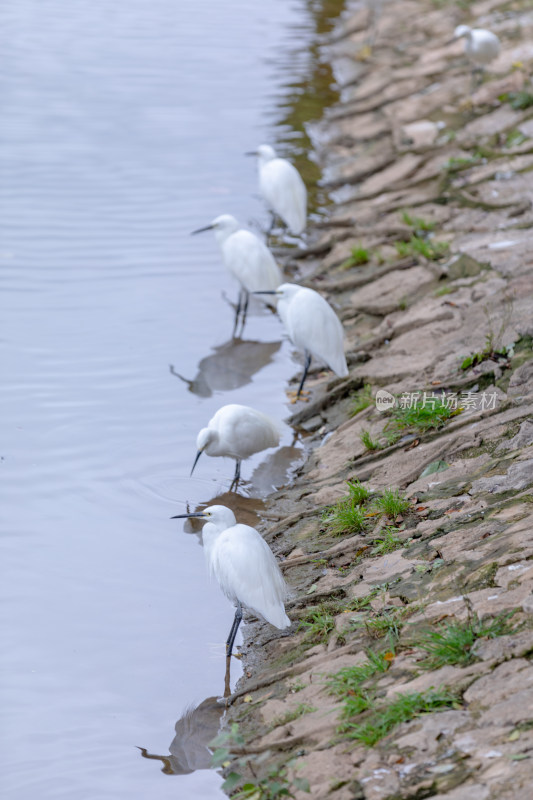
(481, 46)
(244, 566)
(237, 432)
(246, 258)
(313, 327)
(282, 187)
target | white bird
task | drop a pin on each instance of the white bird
(282, 187)
(244, 566)
(246, 258)
(481, 46)
(236, 432)
(313, 327)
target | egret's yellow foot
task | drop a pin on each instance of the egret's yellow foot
(304, 396)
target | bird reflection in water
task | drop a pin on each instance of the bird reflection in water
(247, 509)
(189, 748)
(231, 365)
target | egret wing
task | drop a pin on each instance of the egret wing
(285, 191)
(247, 571)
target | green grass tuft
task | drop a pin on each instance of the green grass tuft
(348, 681)
(361, 400)
(359, 256)
(421, 417)
(368, 441)
(417, 246)
(452, 642)
(346, 516)
(358, 493)
(318, 623)
(388, 542)
(403, 708)
(391, 504)
(518, 100)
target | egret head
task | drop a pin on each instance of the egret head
(206, 437)
(223, 225)
(284, 292)
(220, 516)
(461, 31)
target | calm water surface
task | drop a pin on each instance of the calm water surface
(124, 127)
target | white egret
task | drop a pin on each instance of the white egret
(313, 327)
(244, 566)
(236, 432)
(246, 258)
(481, 46)
(282, 187)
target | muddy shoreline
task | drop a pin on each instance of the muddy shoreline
(427, 255)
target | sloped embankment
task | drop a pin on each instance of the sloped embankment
(409, 674)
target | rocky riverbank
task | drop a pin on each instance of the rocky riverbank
(408, 535)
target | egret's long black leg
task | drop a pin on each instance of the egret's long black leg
(234, 629)
(304, 376)
(237, 476)
(245, 309)
(237, 312)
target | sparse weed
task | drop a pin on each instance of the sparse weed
(391, 504)
(418, 223)
(274, 786)
(417, 246)
(452, 642)
(421, 417)
(387, 542)
(358, 492)
(403, 708)
(368, 441)
(494, 348)
(361, 400)
(386, 624)
(348, 681)
(359, 256)
(515, 138)
(345, 517)
(518, 100)
(456, 164)
(290, 716)
(295, 687)
(318, 623)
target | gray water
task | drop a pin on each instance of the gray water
(124, 127)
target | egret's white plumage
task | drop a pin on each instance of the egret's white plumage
(481, 46)
(246, 258)
(312, 326)
(283, 189)
(237, 432)
(244, 566)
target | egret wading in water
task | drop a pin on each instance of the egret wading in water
(283, 188)
(246, 258)
(236, 432)
(313, 327)
(245, 568)
(481, 46)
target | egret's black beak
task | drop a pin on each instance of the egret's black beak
(198, 454)
(251, 153)
(270, 291)
(201, 230)
(188, 516)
